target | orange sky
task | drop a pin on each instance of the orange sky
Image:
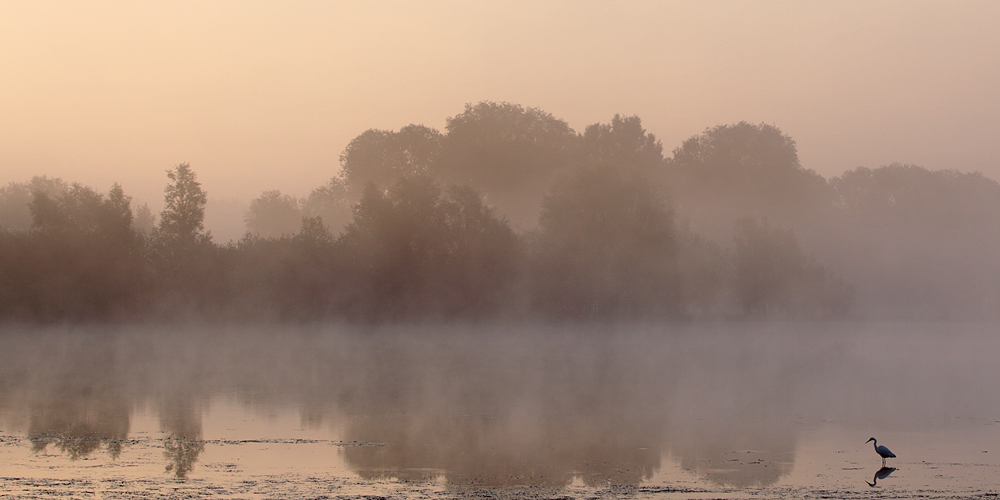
(265, 95)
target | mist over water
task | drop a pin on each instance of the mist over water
(608, 405)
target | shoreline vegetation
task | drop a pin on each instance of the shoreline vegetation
(511, 215)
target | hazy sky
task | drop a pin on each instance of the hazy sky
(265, 94)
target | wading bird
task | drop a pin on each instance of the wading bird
(881, 450)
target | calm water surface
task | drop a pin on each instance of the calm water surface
(728, 410)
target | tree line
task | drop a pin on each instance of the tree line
(510, 214)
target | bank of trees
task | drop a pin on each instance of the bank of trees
(510, 214)
(80, 260)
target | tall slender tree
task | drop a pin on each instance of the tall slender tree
(182, 219)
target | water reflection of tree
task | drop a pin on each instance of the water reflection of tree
(734, 453)
(478, 450)
(482, 409)
(604, 411)
(82, 406)
(183, 444)
(609, 449)
(509, 414)
(79, 434)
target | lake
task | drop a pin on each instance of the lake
(700, 410)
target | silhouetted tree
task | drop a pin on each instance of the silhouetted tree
(766, 263)
(921, 243)
(392, 243)
(120, 213)
(773, 275)
(382, 156)
(484, 255)
(287, 278)
(731, 171)
(332, 203)
(606, 247)
(624, 144)
(183, 216)
(416, 253)
(314, 233)
(82, 211)
(14, 214)
(82, 260)
(190, 269)
(705, 272)
(898, 196)
(509, 153)
(78, 210)
(15, 197)
(145, 220)
(273, 214)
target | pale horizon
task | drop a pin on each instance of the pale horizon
(265, 95)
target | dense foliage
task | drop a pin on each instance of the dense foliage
(510, 214)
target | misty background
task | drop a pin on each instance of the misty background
(265, 95)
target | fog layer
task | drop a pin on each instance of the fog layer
(495, 406)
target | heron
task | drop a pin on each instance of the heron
(881, 450)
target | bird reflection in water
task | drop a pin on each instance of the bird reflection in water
(881, 474)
